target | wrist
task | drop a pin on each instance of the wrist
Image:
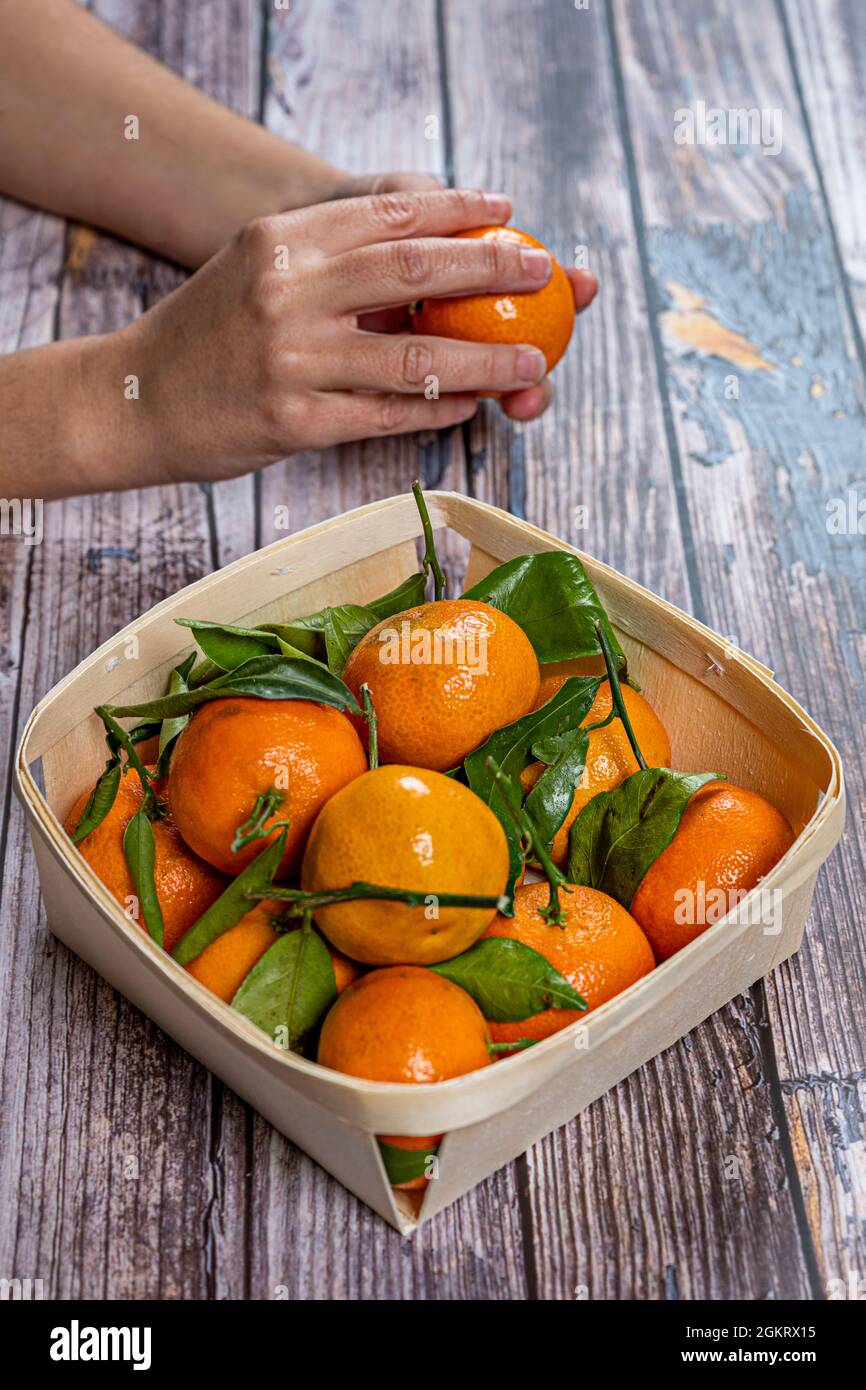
(111, 426)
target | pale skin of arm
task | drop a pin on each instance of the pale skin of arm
(245, 362)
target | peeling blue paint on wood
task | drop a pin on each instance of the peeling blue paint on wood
(774, 284)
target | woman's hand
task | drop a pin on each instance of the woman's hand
(265, 350)
(523, 405)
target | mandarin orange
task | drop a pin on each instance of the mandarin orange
(728, 840)
(600, 951)
(234, 750)
(543, 318)
(405, 827)
(609, 758)
(225, 963)
(185, 885)
(443, 676)
(405, 1024)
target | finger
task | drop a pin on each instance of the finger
(414, 363)
(584, 287)
(346, 415)
(400, 182)
(528, 405)
(400, 272)
(352, 222)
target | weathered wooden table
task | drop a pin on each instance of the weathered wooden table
(709, 413)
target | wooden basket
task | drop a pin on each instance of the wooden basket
(722, 708)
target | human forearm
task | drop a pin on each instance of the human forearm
(73, 420)
(197, 171)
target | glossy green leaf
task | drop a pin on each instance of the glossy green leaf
(407, 595)
(239, 898)
(266, 677)
(404, 1165)
(511, 748)
(509, 981)
(549, 801)
(298, 653)
(290, 989)
(620, 833)
(119, 739)
(139, 850)
(343, 630)
(171, 729)
(99, 802)
(227, 646)
(550, 596)
(331, 633)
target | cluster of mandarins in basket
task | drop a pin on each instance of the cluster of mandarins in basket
(403, 838)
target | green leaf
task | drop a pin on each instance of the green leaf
(550, 596)
(265, 677)
(170, 729)
(99, 802)
(120, 739)
(202, 673)
(297, 653)
(102, 797)
(344, 628)
(139, 849)
(407, 595)
(549, 801)
(620, 833)
(509, 981)
(404, 1165)
(511, 748)
(289, 990)
(331, 633)
(304, 635)
(227, 646)
(234, 903)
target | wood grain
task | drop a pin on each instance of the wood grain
(730, 1166)
(761, 454)
(109, 1118)
(385, 72)
(609, 1188)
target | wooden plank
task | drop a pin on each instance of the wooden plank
(107, 1119)
(356, 83)
(827, 49)
(768, 429)
(537, 119)
(217, 47)
(631, 1200)
(359, 85)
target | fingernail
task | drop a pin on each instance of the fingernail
(497, 204)
(531, 364)
(536, 263)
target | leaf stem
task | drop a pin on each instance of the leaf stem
(300, 901)
(528, 829)
(372, 725)
(616, 693)
(117, 738)
(431, 559)
(520, 1044)
(253, 828)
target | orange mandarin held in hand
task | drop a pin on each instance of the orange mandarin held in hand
(543, 318)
